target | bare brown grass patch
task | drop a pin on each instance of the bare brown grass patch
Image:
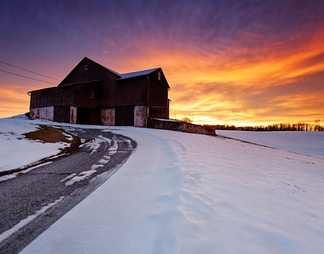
(50, 134)
(47, 134)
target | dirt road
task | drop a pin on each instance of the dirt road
(34, 200)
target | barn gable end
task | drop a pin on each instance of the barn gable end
(88, 70)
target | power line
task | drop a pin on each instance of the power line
(28, 70)
(27, 77)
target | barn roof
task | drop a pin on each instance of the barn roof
(137, 73)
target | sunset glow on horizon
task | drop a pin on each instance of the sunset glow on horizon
(227, 62)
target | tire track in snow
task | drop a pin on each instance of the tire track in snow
(24, 211)
(94, 145)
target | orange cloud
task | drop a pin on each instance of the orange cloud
(13, 101)
(201, 84)
(227, 85)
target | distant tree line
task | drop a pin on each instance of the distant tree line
(300, 126)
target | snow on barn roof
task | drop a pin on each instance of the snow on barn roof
(137, 73)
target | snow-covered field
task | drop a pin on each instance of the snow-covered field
(187, 193)
(311, 143)
(15, 150)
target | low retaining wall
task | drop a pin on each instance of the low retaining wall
(180, 126)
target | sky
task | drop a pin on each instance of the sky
(227, 62)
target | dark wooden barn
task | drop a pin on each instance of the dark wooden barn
(94, 94)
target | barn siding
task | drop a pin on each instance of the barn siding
(108, 95)
(62, 114)
(158, 90)
(51, 97)
(159, 112)
(88, 95)
(131, 92)
(88, 70)
(93, 94)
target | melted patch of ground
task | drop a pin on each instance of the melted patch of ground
(51, 134)
(48, 134)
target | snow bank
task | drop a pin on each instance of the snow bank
(186, 193)
(15, 150)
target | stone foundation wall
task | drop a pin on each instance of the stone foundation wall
(108, 117)
(180, 126)
(140, 116)
(46, 113)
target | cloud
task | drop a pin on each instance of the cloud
(300, 100)
(226, 61)
(13, 101)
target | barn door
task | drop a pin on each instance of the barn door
(88, 116)
(124, 116)
(62, 114)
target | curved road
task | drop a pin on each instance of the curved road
(35, 199)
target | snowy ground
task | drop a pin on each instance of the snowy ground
(186, 193)
(15, 150)
(311, 143)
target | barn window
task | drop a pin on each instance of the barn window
(85, 67)
(159, 76)
(91, 94)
